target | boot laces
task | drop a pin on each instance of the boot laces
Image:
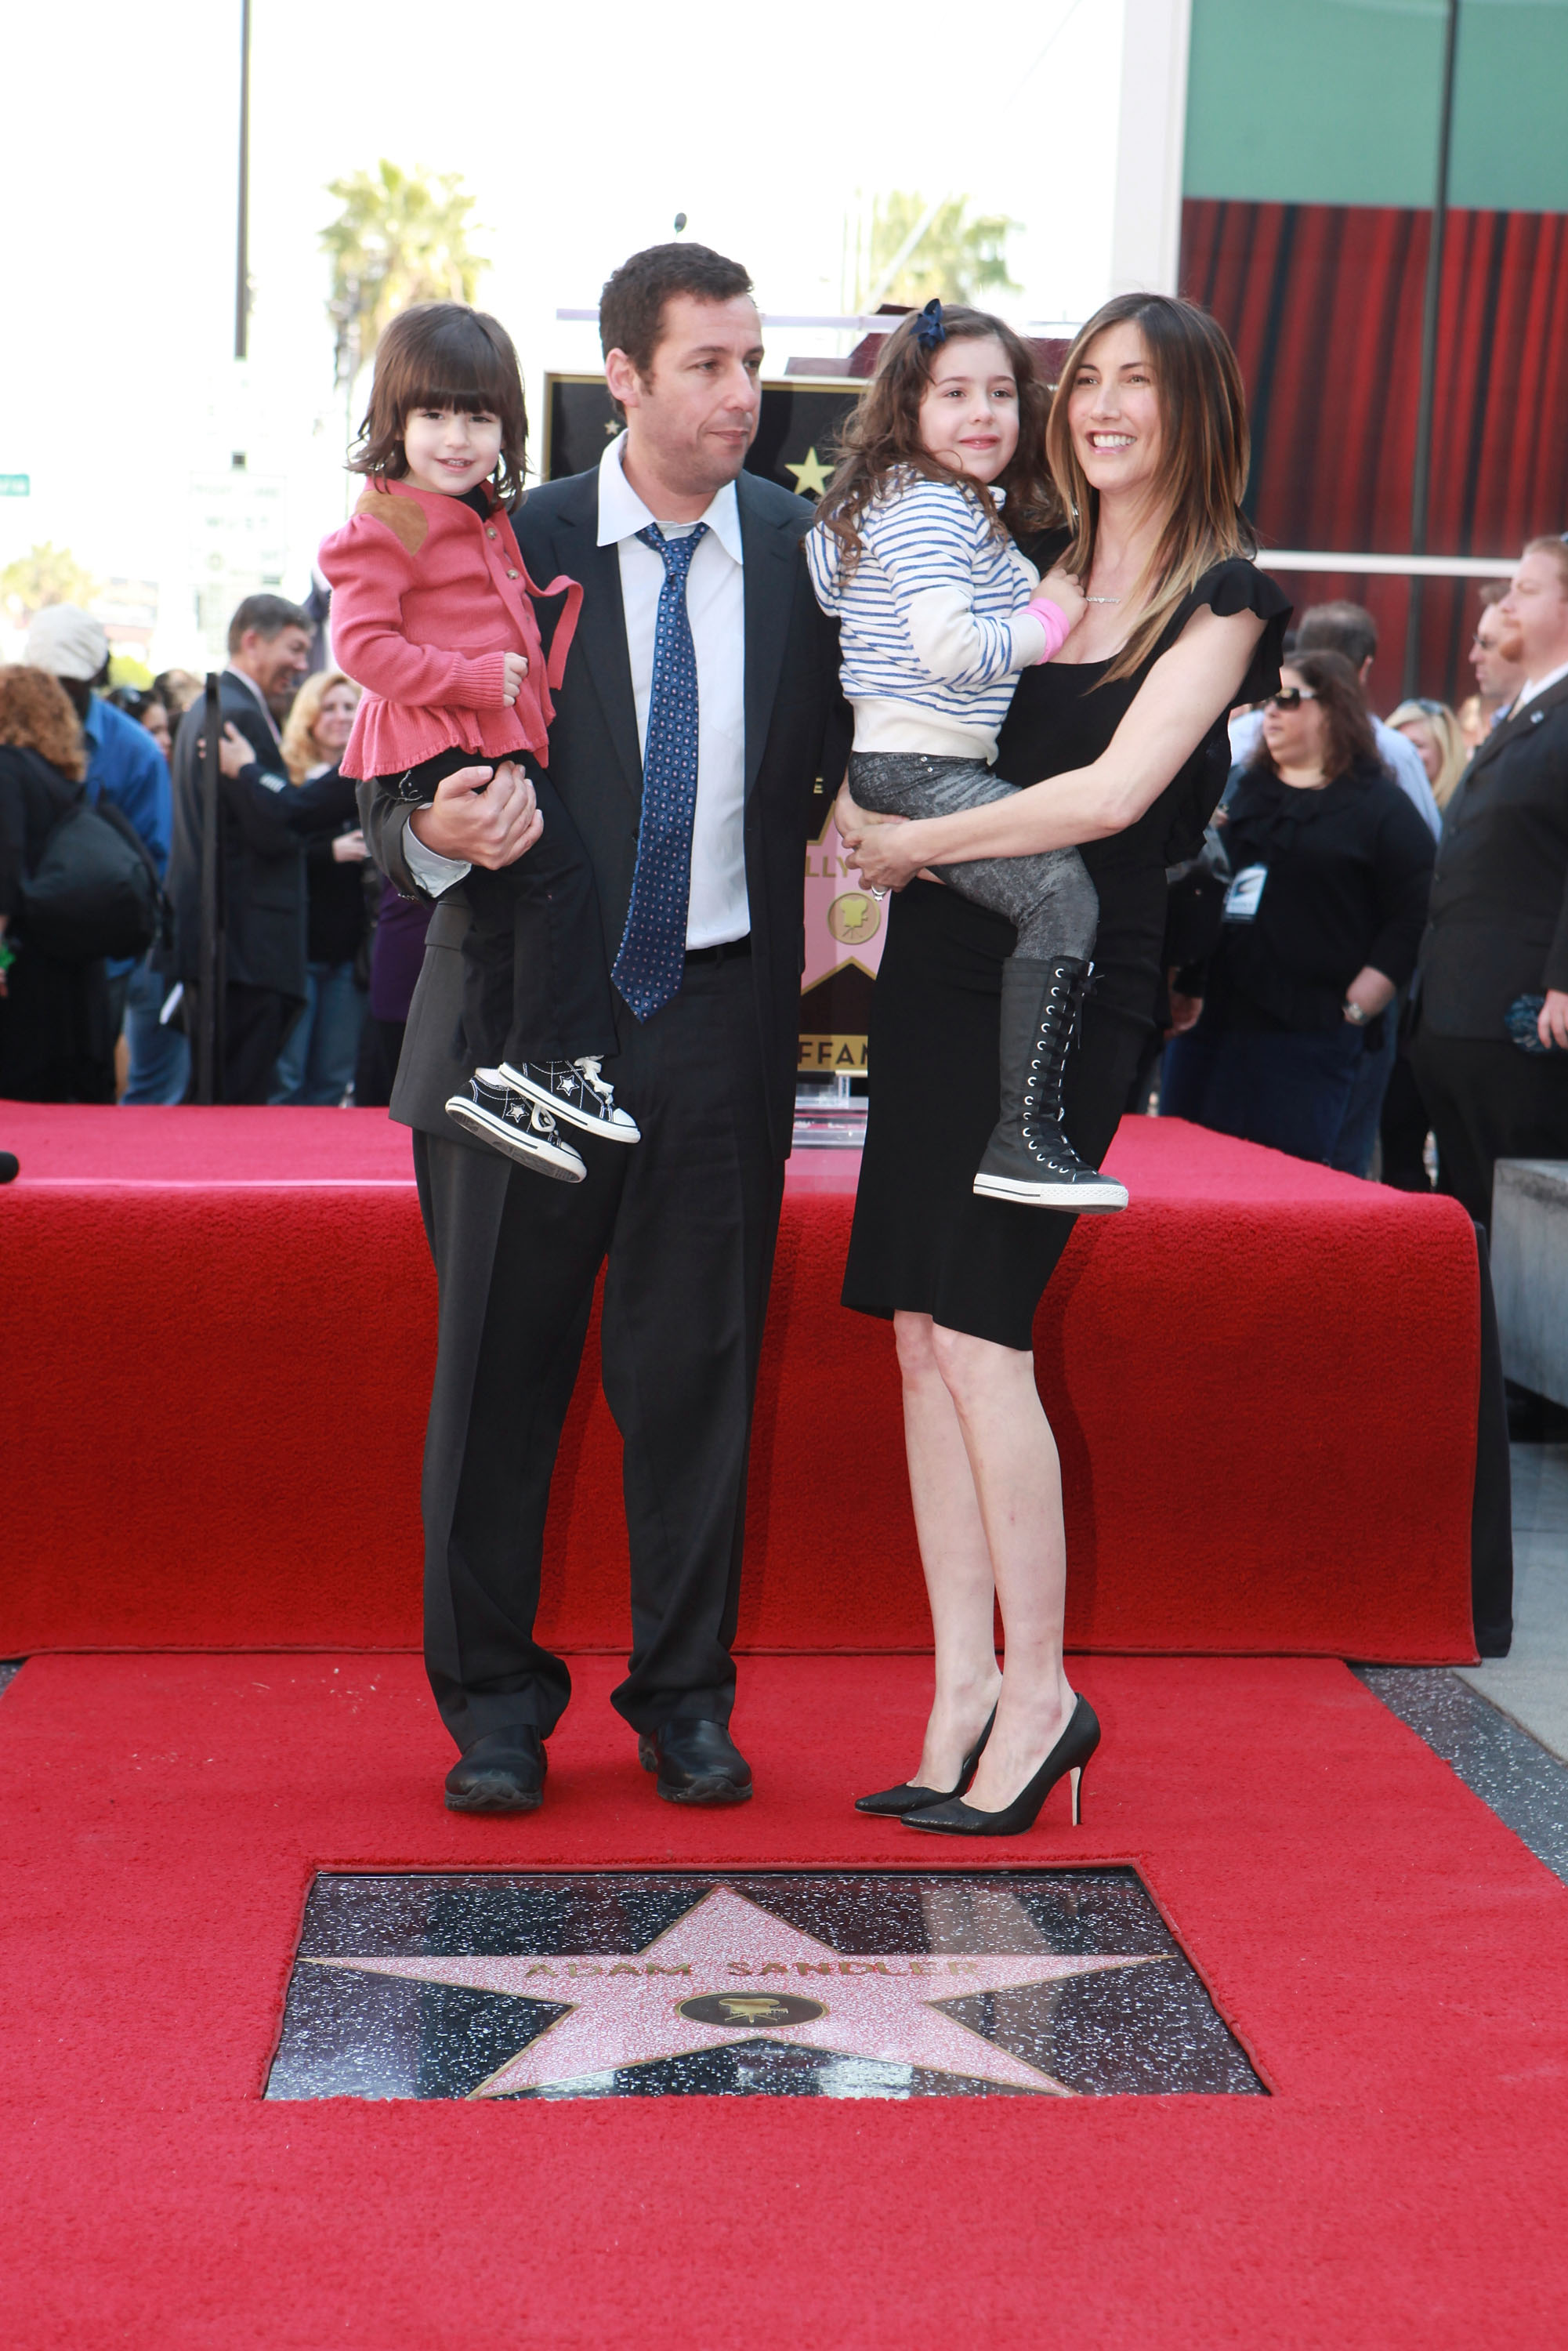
(1042, 1133)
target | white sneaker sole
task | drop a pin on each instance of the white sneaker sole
(519, 1142)
(1099, 1199)
(569, 1115)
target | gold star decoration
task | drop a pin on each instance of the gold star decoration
(810, 475)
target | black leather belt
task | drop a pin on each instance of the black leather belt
(722, 952)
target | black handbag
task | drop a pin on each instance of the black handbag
(95, 890)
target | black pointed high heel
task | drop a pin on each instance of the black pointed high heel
(892, 1803)
(1067, 1758)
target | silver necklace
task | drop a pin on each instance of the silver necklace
(1102, 600)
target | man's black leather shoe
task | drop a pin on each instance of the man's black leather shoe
(502, 1772)
(698, 1764)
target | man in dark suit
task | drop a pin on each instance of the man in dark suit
(680, 552)
(261, 855)
(1498, 923)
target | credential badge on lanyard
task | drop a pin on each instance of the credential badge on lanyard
(1241, 898)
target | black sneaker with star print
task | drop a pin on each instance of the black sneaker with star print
(574, 1091)
(495, 1112)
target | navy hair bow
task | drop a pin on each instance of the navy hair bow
(929, 331)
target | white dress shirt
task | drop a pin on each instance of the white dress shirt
(1535, 685)
(718, 908)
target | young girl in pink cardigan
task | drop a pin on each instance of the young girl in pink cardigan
(432, 614)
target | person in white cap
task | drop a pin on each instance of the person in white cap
(125, 767)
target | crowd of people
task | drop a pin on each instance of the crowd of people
(1373, 883)
(320, 954)
(1386, 985)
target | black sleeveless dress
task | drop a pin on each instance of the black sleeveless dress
(922, 1242)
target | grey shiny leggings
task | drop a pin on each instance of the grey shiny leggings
(1048, 894)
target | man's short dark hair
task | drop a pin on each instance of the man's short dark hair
(1338, 627)
(1492, 593)
(268, 616)
(632, 307)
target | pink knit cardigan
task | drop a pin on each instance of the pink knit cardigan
(427, 599)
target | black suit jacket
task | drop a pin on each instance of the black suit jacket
(261, 859)
(797, 728)
(1499, 919)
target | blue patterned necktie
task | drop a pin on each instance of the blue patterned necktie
(649, 967)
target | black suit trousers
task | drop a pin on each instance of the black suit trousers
(685, 1223)
(535, 984)
(1488, 1101)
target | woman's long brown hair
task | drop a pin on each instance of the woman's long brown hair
(882, 432)
(1205, 452)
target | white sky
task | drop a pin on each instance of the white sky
(581, 131)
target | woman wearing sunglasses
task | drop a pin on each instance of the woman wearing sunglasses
(1333, 868)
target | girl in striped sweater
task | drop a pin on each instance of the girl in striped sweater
(939, 611)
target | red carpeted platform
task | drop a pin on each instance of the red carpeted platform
(1390, 1955)
(219, 1326)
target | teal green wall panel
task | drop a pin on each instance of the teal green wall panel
(1510, 107)
(1336, 102)
(1314, 101)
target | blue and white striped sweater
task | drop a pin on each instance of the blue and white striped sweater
(932, 627)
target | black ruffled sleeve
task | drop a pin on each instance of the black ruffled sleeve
(1237, 586)
(1180, 816)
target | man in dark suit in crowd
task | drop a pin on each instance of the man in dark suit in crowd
(668, 535)
(261, 857)
(1498, 926)
(1495, 654)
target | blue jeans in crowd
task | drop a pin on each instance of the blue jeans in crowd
(1276, 1087)
(1358, 1132)
(160, 1057)
(317, 1064)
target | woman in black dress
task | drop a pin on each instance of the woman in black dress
(1120, 747)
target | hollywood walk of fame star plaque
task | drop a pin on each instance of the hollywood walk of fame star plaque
(1058, 1983)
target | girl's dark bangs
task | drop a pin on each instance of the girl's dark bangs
(474, 400)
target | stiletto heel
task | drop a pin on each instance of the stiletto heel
(1067, 1760)
(892, 1803)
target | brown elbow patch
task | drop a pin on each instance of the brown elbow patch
(404, 518)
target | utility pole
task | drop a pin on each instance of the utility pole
(242, 257)
(1421, 481)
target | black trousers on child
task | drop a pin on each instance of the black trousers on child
(535, 984)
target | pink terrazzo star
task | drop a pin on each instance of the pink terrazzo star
(748, 1976)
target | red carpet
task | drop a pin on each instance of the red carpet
(1391, 1957)
(1262, 1379)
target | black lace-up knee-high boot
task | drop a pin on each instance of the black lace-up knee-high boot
(1028, 1157)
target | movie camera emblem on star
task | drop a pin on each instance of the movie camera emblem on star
(854, 918)
(752, 2011)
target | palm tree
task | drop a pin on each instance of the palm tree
(919, 250)
(46, 574)
(401, 238)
